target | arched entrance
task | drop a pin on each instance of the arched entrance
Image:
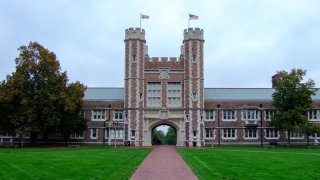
(172, 123)
(164, 135)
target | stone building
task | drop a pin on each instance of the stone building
(170, 91)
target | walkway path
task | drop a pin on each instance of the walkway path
(163, 163)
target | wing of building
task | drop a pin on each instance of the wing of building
(230, 115)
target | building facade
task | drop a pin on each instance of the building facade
(170, 91)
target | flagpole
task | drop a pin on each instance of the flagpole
(188, 23)
(140, 20)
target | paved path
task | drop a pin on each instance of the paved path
(163, 163)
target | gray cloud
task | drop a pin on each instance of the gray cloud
(246, 41)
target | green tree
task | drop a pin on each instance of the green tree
(171, 137)
(292, 100)
(38, 96)
(157, 137)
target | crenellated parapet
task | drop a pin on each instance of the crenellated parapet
(163, 59)
(160, 62)
(193, 34)
(134, 33)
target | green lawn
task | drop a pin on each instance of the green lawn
(70, 163)
(253, 162)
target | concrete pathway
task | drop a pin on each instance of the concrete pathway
(163, 163)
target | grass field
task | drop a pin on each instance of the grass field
(70, 163)
(246, 162)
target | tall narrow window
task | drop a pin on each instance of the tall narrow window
(268, 114)
(194, 96)
(194, 133)
(134, 58)
(94, 133)
(174, 95)
(154, 95)
(133, 133)
(194, 58)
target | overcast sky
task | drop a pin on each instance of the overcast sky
(246, 41)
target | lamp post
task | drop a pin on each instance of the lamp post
(218, 124)
(104, 132)
(115, 122)
(261, 138)
(109, 107)
(212, 134)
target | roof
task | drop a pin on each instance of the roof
(262, 94)
(112, 94)
(218, 94)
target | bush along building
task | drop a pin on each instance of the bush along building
(170, 91)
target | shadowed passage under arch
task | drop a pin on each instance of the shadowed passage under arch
(161, 137)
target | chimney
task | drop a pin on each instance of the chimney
(274, 79)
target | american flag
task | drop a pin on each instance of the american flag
(142, 16)
(193, 17)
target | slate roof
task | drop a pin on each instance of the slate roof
(218, 94)
(107, 94)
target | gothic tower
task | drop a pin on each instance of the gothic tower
(193, 85)
(134, 83)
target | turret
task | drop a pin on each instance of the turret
(135, 53)
(193, 85)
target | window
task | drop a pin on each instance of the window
(209, 115)
(209, 133)
(8, 135)
(154, 94)
(174, 94)
(228, 115)
(82, 113)
(76, 136)
(272, 134)
(268, 114)
(250, 114)
(194, 58)
(94, 133)
(313, 115)
(187, 117)
(315, 136)
(294, 135)
(229, 133)
(194, 134)
(55, 135)
(194, 96)
(98, 115)
(116, 133)
(251, 133)
(118, 115)
(134, 58)
(106, 133)
(133, 133)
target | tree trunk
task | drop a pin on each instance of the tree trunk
(33, 138)
(65, 140)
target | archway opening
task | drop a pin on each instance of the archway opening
(164, 134)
